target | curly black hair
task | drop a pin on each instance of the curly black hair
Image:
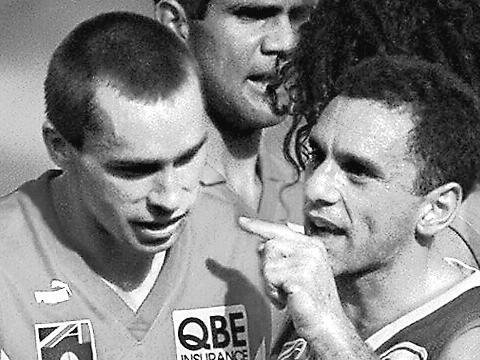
(342, 33)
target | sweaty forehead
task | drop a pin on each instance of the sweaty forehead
(362, 126)
(123, 120)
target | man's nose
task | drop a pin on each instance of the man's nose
(323, 183)
(164, 195)
(281, 36)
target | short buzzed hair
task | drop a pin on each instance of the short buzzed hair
(135, 54)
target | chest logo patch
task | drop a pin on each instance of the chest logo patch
(405, 351)
(60, 292)
(216, 333)
(294, 350)
(70, 340)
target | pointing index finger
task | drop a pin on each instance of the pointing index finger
(265, 229)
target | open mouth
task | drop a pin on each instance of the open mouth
(153, 231)
(261, 81)
(152, 225)
(324, 227)
(329, 231)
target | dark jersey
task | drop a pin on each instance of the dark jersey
(418, 335)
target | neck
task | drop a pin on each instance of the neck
(234, 154)
(120, 266)
(376, 298)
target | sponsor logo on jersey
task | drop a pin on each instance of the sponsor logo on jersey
(405, 351)
(69, 340)
(294, 350)
(61, 292)
(216, 333)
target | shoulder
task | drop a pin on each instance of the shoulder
(13, 219)
(464, 346)
(436, 328)
(23, 215)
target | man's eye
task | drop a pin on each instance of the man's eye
(253, 13)
(358, 172)
(132, 172)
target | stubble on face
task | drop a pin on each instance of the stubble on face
(237, 45)
(360, 156)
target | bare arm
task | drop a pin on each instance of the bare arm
(298, 276)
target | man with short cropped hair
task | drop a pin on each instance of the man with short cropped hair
(98, 259)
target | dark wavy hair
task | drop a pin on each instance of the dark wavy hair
(342, 33)
(137, 55)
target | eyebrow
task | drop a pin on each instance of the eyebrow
(344, 158)
(370, 165)
(270, 9)
(133, 162)
(193, 150)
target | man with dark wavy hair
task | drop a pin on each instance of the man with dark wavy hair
(388, 162)
(343, 33)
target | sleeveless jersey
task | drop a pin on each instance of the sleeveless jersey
(418, 335)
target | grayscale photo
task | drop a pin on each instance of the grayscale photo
(240, 180)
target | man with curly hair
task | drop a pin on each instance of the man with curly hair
(343, 33)
(385, 100)
(388, 162)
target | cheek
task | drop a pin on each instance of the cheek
(122, 196)
(392, 217)
(379, 209)
(238, 46)
(189, 176)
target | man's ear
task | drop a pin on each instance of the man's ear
(58, 148)
(171, 14)
(439, 209)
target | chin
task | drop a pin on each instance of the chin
(248, 115)
(257, 120)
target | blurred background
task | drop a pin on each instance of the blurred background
(30, 31)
